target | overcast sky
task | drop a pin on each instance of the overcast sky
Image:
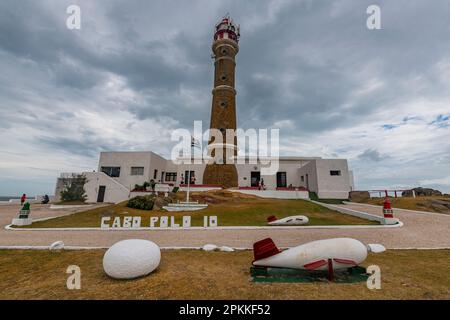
(137, 70)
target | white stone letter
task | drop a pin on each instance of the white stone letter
(374, 280)
(74, 280)
(186, 222)
(153, 220)
(104, 224)
(213, 221)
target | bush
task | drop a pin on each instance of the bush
(313, 196)
(142, 187)
(142, 202)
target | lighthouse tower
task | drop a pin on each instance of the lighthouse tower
(221, 170)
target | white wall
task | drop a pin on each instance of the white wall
(114, 192)
(309, 182)
(126, 160)
(333, 187)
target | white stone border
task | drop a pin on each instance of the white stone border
(400, 224)
(74, 206)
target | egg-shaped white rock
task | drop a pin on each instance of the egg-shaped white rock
(226, 249)
(129, 259)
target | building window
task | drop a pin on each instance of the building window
(137, 171)
(155, 173)
(303, 178)
(113, 172)
(171, 176)
(335, 172)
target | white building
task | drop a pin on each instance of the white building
(119, 172)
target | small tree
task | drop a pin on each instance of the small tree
(74, 189)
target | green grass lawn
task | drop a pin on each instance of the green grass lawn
(231, 209)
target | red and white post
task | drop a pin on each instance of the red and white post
(388, 213)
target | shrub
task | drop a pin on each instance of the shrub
(142, 202)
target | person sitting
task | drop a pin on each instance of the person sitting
(45, 199)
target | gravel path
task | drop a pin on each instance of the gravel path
(420, 230)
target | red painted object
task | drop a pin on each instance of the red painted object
(314, 265)
(387, 209)
(345, 261)
(271, 218)
(264, 248)
(330, 270)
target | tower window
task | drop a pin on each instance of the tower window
(224, 51)
(223, 77)
(223, 104)
(335, 172)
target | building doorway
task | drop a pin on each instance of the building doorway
(281, 180)
(255, 176)
(101, 194)
(190, 175)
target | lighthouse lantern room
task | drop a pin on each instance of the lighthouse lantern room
(226, 29)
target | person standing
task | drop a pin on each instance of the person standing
(23, 198)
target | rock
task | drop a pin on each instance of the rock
(161, 202)
(359, 196)
(421, 192)
(129, 259)
(226, 249)
(58, 245)
(209, 247)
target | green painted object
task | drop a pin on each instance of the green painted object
(350, 275)
(25, 211)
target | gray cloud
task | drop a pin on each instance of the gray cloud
(372, 155)
(148, 65)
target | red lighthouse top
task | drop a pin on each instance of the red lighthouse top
(226, 29)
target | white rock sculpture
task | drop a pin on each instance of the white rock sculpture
(340, 253)
(129, 259)
(58, 245)
(288, 221)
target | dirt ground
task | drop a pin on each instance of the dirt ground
(192, 274)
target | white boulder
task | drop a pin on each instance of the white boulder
(210, 247)
(129, 259)
(226, 249)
